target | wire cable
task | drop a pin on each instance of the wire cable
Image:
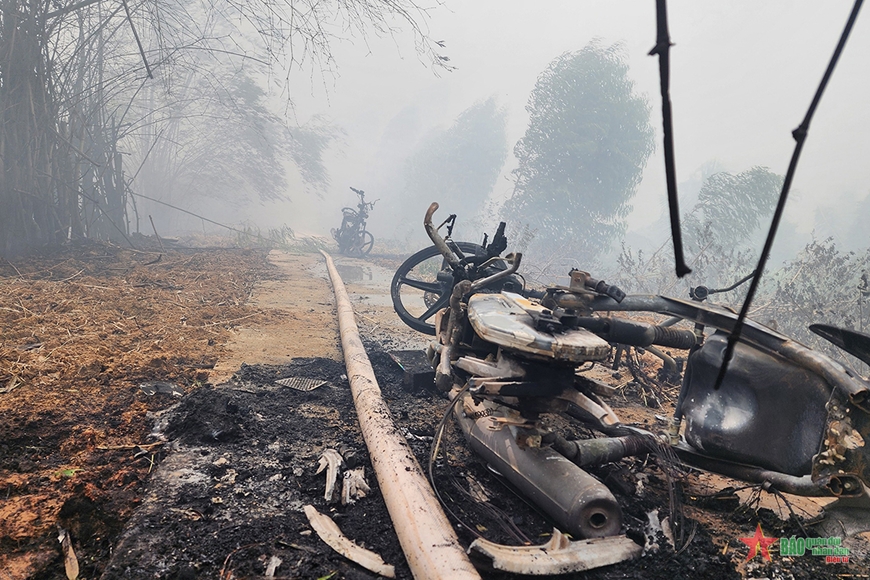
(799, 135)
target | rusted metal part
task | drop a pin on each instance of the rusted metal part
(579, 294)
(450, 339)
(512, 388)
(505, 367)
(559, 555)
(581, 280)
(590, 408)
(804, 485)
(578, 301)
(602, 450)
(540, 385)
(860, 457)
(592, 405)
(668, 362)
(753, 333)
(845, 452)
(857, 389)
(637, 333)
(577, 502)
(436, 237)
(301, 383)
(594, 386)
(514, 260)
(839, 440)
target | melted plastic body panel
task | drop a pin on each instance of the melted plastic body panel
(499, 319)
(768, 412)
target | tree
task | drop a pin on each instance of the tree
(183, 157)
(722, 232)
(820, 285)
(583, 153)
(71, 71)
(458, 167)
(733, 206)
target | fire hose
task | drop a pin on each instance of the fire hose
(428, 540)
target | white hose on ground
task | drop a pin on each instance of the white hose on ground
(426, 536)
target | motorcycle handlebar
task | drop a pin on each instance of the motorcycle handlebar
(363, 204)
(436, 238)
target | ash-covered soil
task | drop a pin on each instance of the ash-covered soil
(229, 497)
(243, 462)
(212, 484)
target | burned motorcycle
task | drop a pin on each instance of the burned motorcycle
(785, 417)
(423, 283)
(352, 237)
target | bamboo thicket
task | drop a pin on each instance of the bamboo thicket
(60, 170)
(89, 88)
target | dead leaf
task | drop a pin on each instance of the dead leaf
(330, 533)
(70, 562)
(331, 461)
(354, 486)
(274, 562)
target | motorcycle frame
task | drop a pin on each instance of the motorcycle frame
(839, 469)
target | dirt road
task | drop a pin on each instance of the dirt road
(305, 324)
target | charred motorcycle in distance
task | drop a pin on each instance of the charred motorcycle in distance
(786, 417)
(352, 237)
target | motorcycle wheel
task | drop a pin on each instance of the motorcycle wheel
(368, 241)
(417, 290)
(361, 245)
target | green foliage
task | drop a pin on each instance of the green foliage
(283, 238)
(733, 207)
(74, 97)
(458, 167)
(714, 266)
(821, 285)
(226, 144)
(215, 139)
(583, 153)
(306, 144)
(241, 153)
(722, 236)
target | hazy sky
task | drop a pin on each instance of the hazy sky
(743, 74)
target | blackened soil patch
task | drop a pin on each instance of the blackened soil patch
(229, 497)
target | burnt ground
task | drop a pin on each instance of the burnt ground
(211, 484)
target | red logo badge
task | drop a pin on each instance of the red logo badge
(756, 541)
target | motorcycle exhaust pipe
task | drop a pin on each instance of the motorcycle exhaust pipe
(575, 501)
